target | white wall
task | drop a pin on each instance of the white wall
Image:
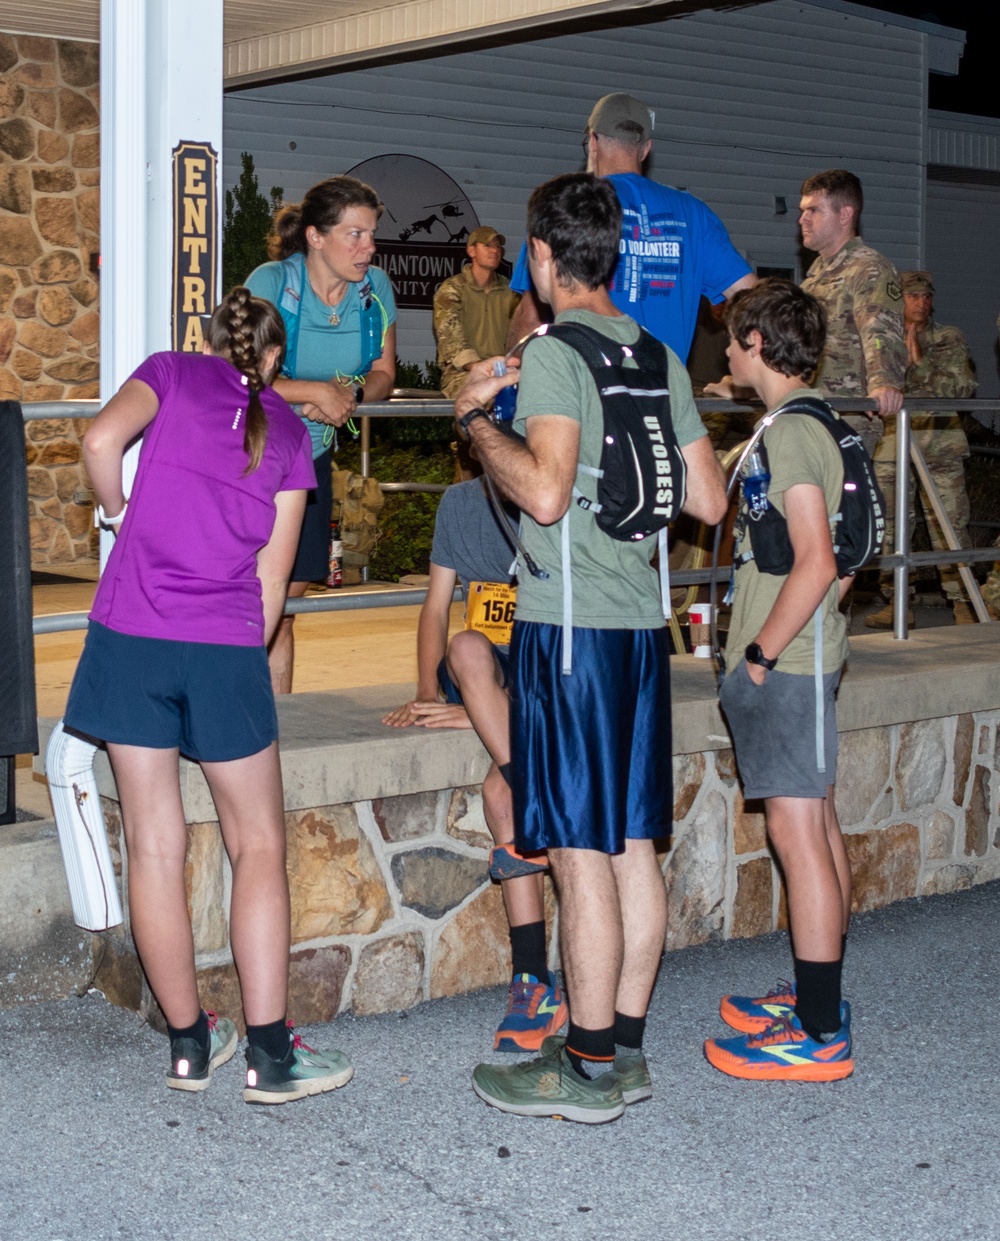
(963, 232)
(748, 103)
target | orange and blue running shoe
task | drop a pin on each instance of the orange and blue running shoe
(785, 1053)
(751, 1016)
(535, 1010)
(507, 863)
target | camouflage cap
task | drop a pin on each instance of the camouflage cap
(484, 234)
(615, 115)
(916, 281)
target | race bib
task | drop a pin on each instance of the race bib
(490, 610)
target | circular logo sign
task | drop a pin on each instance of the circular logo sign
(424, 228)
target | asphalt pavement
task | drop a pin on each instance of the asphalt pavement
(94, 1147)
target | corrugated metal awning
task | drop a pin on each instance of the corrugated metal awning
(353, 31)
(265, 40)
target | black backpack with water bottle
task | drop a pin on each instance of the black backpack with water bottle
(860, 522)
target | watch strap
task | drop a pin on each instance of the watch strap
(754, 655)
(471, 416)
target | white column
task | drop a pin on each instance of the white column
(161, 84)
(184, 94)
(124, 247)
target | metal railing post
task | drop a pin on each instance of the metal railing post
(901, 574)
(366, 466)
(366, 447)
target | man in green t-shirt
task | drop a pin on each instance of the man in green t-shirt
(786, 647)
(590, 748)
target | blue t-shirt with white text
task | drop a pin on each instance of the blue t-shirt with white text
(674, 249)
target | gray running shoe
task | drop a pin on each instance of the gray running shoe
(191, 1064)
(631, 1070)
(549, 1086)
(303, 1071)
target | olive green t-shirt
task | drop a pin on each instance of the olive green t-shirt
(614, 584)
(800, 450)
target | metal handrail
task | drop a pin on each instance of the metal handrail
(900, 561)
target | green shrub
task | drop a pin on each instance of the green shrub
(246, 226)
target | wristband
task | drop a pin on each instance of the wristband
(104, 520)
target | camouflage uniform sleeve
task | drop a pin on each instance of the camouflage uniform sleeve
(453, 348)
(878, 313)
(946, 368)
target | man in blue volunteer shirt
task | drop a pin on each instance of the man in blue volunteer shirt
(673, 249)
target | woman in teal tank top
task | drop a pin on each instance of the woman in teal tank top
(340, 318)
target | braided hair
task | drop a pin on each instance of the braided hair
(241, 330)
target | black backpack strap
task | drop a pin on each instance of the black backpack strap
(598, 351)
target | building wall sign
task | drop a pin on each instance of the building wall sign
(424, 228)
(196, 242)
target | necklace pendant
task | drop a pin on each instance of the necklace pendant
(334, 319)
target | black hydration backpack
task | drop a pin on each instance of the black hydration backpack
(860, 523)
(641, 479)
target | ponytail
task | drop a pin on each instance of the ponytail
(242, 329)
(322, 207)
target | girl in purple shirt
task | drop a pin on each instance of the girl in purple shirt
(175, 662)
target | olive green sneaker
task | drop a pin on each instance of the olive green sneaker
(191, 1065)
(631, 1070)
(303, 1071)
(549, 1086)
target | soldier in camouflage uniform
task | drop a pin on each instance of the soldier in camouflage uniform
(472, 310)
(859, 290)
(939, 366)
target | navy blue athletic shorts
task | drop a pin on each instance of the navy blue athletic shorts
(591, 753)
(312, 557)
(450, 689)
(213, 702)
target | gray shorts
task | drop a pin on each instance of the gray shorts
(774, 732)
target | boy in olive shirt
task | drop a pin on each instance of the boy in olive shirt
(787, 644)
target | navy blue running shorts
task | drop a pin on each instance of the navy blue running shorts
(312, 557)
(213, 702)
(450, 689)
(591, 753)
(774, 732)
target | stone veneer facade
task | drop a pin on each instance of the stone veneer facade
(49, 243)
(392, 905)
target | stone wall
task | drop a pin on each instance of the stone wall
(49, 243)
(392, 904)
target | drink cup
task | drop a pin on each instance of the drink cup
(700, 621)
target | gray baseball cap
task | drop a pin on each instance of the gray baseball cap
(614, 116)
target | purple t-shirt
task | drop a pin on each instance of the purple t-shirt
(184, 564)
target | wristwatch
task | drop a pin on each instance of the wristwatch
(754, 655)
(463, 422)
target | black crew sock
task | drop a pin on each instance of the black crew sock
(199, 1031)
(272, 1039)
(629, 1031)
(527, 950)
(817, 996)
(591, 1052)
